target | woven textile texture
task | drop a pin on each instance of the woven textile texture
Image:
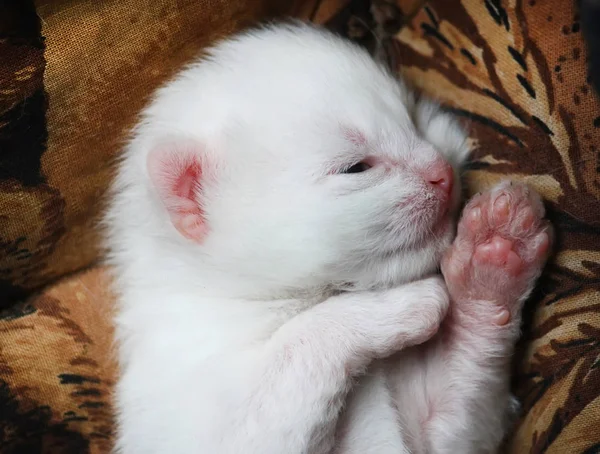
(73, 76)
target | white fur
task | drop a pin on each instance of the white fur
(250, 340)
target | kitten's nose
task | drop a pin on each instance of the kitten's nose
(441, 176)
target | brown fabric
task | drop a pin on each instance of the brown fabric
(30, 209)
(57, 370)
(517, 75)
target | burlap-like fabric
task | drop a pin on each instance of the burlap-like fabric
(30, 209)
(57, 370)
(74, 75)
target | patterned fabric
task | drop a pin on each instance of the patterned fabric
(73, 76)
(517, 75)
(57, 370)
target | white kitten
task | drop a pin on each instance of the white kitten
(272, 218)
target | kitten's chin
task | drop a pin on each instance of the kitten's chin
(433, 238)
(393, 271)
(404, 265)
(393, 266)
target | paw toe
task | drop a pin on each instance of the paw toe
(501, 209)
(524, 223)
(541, 245)
(473, 220)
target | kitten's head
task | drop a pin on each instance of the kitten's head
(317, 168)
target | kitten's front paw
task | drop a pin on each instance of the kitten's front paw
(409, 315)
(501, 246)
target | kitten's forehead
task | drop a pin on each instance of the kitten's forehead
(321, 137)
(372, 128)
(320, 79)
(368, 116)
(322, 98)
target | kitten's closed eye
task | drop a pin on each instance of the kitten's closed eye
(357, 168)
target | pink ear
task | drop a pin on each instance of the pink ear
(176, 172)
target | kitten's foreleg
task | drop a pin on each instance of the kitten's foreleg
(371, 421)
(308, 366)
(500, 249)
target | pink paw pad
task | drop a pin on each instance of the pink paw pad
(500, 248)
(498, 252)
